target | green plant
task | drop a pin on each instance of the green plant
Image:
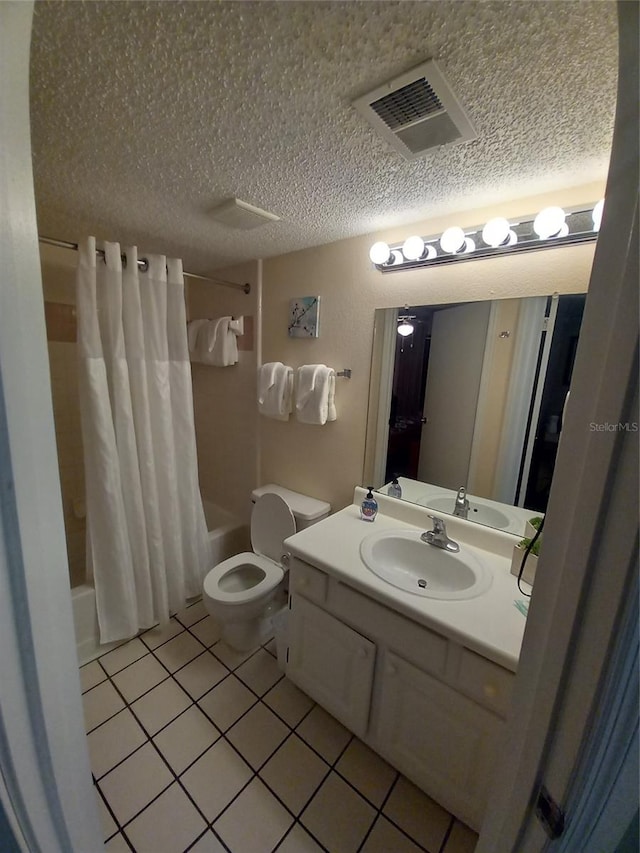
(524, 544)
(535, 522)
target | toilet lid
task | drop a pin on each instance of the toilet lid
(271, 522)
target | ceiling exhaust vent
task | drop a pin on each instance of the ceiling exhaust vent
(417, 112)
(235, 213)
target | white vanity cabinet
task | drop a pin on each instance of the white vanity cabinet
(332, 663)
(441, 740)
(433, 708)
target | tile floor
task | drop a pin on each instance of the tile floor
(194, 746)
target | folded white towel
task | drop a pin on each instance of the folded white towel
(207, 339)
(306, 378)
(193, 330)
(237, 326)
(275, 390)
(331, 397)
(217, 341)
(225, 348)
(266, 379)
(315, 394)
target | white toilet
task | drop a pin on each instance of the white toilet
(243, 592)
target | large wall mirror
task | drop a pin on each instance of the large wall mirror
(466, 407)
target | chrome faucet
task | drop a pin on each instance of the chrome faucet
(438, 536)
(461, 509)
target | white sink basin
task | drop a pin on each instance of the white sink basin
(477, 512)
(402, 559)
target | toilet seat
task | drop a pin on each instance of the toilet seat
(272, 576)
(271, 523)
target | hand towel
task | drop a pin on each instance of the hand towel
(266, 379)
(305, 383)
(315, 394)
(275, 390)
(331, 397)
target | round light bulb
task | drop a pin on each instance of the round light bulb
(430, 252)
(496, 232)
(452, 240)
(548, 223)
(469, 245)
(596, 215)
(395, 257)
(413, 248)
(405, 329)
(379, 253)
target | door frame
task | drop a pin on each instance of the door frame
(47, 791)
(591, 533)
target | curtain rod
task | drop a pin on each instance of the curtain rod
(143, 263)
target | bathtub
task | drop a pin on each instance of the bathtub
(227, 536)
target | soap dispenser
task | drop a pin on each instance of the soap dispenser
(369, 506)
(395, 489)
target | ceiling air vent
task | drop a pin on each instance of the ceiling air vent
(417, 112)
(235, 213)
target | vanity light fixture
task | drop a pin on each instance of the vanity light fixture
(415, 249)
(452, 240)
(552, 227)
(380, 253)
(455, 241)
(550, 222)
(498, 232)
(405, 328)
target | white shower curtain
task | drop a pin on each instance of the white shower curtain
(147, 545)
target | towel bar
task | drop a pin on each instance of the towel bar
(346, 373)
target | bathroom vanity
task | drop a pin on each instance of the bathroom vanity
(425, 682)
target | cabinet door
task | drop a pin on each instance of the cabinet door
(443, 741)
(332, 663)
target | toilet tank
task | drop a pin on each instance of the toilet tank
(306, 510)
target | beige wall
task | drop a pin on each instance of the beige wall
(224, 398)
(327, 462)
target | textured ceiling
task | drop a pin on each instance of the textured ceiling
(145, 116)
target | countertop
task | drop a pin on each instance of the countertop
(489, 624)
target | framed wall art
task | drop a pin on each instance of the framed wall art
(304, 317)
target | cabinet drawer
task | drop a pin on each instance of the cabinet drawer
(485, 681)
(413, 641)
(310, 582)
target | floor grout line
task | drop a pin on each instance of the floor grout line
(222, 736)
(162, 757)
